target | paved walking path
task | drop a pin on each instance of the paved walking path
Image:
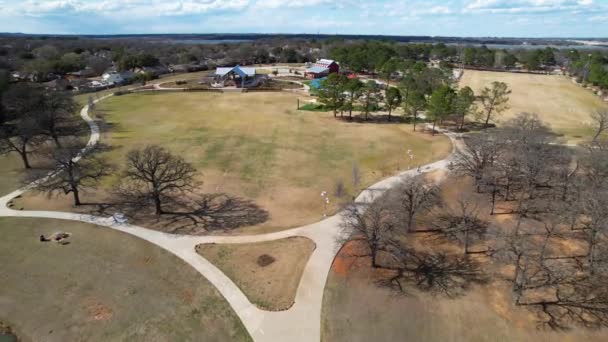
(302, 322)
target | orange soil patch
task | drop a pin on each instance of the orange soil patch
(97, 310)
(353, 257)
(351, 253)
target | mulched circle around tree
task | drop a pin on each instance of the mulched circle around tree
(265, 260)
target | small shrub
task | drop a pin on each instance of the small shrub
(181, 82)
(121, 92)
(340, 189)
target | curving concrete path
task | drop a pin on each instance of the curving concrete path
(302, 322)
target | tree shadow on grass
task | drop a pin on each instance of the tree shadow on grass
(196, 215)
(437, 273)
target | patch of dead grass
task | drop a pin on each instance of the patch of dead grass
(270, 286)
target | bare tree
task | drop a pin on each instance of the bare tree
(56, 117)
(600, 121)
(21, 138)
(596, 223)
(479, 153)
(376, 224)
(72, 175)
(155, 175)
(494, 100)
(463, 224)
(415, 196)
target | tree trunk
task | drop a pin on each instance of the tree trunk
(390, 109)
(493, 199)
(56, 139)
(434, 123)
(591, 252)
(76, 195)
(466, 241)
(415, 117)
(157, 205)
(462, 123)
(488, 118)
(26, 162)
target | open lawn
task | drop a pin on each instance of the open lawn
(556, 99)
(104, 286)
(258, 146)
(268, 273)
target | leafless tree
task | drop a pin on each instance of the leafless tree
(155, 175)
(376, 223)
(56, 117)
(414, 197)
(22, 138)
(600, 123)
(72, 176)
(596, 222)
(479, 153)
(463, 224)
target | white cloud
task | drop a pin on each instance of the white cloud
(290, 3)
(129, 7)
(528, 6)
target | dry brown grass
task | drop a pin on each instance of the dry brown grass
(556, 99)
(356, 308)
(104, 286)
(270, 287)
(258, 146)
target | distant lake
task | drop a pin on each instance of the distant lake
(532, 47)
(206, 41)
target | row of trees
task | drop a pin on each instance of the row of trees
(421, 89)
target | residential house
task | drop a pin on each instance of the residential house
(117, 77)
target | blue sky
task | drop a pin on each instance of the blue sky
(521, 18)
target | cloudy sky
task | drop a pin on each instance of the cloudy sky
(520, 18)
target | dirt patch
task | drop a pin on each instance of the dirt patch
(351, 255)
(265, 260)
(268, 273)
(97, 310)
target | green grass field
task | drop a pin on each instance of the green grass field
(559, 102)
(104, 286)
(258, 146)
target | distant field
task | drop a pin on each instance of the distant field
(104, 286)
(257, 145)
(559, 102)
